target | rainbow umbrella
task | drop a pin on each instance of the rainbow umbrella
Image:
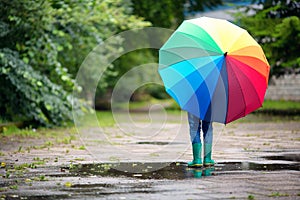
(214, 69)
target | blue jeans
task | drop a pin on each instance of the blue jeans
(195, 129)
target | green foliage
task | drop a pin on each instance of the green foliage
(127, 62)
(43, 43)
(29, 66)
(26, 95)
(285, 8)
(158, 92)
(277, 28)
(285, 49)
(170, 13)
(278, 194)
(165, 13)
(81, 25)
(29, 28)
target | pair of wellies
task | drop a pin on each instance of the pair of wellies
(197, 155)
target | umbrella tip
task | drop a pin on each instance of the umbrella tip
(225, 54)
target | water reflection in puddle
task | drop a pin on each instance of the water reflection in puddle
(175, 171)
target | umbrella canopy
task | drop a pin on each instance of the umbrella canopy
(214, 69)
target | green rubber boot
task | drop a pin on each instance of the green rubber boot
(197, 173)
(197, 161)
(207, 155)
(208, 171)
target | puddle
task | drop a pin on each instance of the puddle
(159, 143)
(115, 180)
(174, 171)
(284, 157)
(38, 197)
(154, 143)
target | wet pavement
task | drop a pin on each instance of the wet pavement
(274, 177)
(253, 161)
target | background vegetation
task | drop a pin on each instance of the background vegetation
(42, 44)
(276, 26)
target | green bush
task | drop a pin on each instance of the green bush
(26, 95)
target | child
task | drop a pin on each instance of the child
(195, 128)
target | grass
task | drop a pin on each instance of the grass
(105, 118)
(81, 147)
(136, 105)
(278, 194)
(63, 136)
(272, 111)
(13, 130)
(262, 117)
(30, 132)
(27, 165)
(280, 110)
(66, 140)
(268, 105)
(281, 105)
(41, 178)
(13, 187)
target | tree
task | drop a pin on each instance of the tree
(277, 28)
(42, 44)
(30, 97)
(82, 25)
(170, 13)
(27, 56)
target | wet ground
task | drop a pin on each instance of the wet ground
(253, 161)
(233, 180)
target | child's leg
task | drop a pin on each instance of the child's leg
(195, 127)
(207, 129)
